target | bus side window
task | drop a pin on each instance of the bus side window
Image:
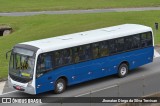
(120, 44)
(67, 53)
(112, 46)
(128, 44)
(44, 63)
(143, 40)
(95, 50)
(48, 62)
(58, 58)
(87, 52)
(81, 53)
(136, 41)
(75, 54)
(104, 49)
(146, 39)
(149, 39)
(38, 68)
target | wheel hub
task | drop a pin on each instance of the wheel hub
(123, 70)
(60, 86)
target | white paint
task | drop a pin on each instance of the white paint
(104, 88)
(156, 54)
(81, 38)
(97, 90)
(2, 84)
(83, 94)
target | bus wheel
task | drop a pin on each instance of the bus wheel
(60, 86)
(122, 70)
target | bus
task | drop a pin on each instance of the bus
(58, 62)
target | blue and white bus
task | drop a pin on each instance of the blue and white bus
(55, 63)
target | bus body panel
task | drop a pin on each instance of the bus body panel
(47, 80)
(44, 83)
(93, 69)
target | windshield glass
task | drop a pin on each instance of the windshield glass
(21, 65)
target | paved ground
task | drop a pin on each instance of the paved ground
(80, 11)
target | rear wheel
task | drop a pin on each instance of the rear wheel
(123, 70)
(60, 86)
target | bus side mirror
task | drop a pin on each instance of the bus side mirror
(7, 54)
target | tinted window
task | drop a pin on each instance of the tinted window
(128, 43)
(67, 56)
(87, 51)
(44, 63)
(136, 43)
(120, 44)
(103, 49)
(79, 54)
(58, 58)
(95, 50)
(112, 46)
(146, 39)
(75, 55)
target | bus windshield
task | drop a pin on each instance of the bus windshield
(21, 65)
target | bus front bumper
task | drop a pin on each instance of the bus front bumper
(23, 87)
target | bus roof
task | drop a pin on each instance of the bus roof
(71, 40)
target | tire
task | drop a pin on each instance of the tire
(60, 86)
(122, 70)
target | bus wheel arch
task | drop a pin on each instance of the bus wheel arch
(123, 69)
(60, 84)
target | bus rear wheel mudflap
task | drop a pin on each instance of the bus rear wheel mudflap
(122, 70)
(60, 86)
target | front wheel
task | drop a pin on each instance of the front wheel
(60, 86)
(122, 70)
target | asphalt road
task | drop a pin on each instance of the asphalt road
(139, 82)
(80, 11)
